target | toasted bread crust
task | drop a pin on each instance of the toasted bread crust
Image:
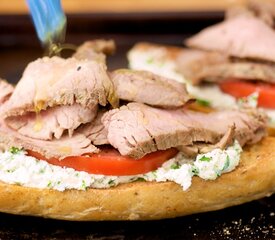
(253, 179)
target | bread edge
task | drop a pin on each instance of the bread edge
(254, 178)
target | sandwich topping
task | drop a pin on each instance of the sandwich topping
(193, 66)
(18, 168)
(65, 116)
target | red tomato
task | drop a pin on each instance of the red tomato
(110, 162)
(239, 89)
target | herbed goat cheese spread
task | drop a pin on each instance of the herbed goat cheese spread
(18, 168)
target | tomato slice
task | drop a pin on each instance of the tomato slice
(110, 162)
(240, 88)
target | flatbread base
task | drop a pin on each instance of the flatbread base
(254, 178)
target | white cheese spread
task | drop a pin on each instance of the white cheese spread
(18, 168)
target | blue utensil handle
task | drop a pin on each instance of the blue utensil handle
(49, 20)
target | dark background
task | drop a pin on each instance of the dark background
(19, 45)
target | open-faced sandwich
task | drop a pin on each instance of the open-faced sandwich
(226, 64)
(71, 151)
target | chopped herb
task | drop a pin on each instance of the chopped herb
(218, 172)
(49, 185)
(18, 183)
(42, 170)
(84, 186)
(10, 170)
(77, 174)
(140, 179)
(149, 60)
(100, 180)
(226, 165)
(205, 159)
(255, 97)
(195, 171)
(111, 182)
(241, 100)
(58, 182)
(161, 64)
(15, 150)
(175, 165)
(203, 102)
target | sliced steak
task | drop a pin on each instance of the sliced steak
(95, 50)
(243, 37)
(56, 81)
(95, 130)
(149, 88)
(76, 145)
(197, 147)
(137, 129)
(264, 10)
(198, 65)
(6, 90)
(252, 71)
(52, 122)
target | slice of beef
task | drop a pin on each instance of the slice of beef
(95, 130)
(198, 65)
(66, 146)
(56, 81)
(52, 122)
(253, 71)
(149, 88)
(95, 50)
(6, 90)
(198, 147)
(243, 37)
(264, 10)
(137, 129)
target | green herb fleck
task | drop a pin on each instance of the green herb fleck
(111, 182)
(175, 165)
(205, 159)
(15, 150)
(254, 97)
(42, 170)
(241, 100)
(84, 186)
(10, 170)
(195, 171)
(218, 173)
(18, 183)
(150, 60)
(227, 162)
(58, 182)
(49, 185)
(161, 64)
(140, 179)
(77, 174)
(203, 102)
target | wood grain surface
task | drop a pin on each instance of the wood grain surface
(99, 6)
